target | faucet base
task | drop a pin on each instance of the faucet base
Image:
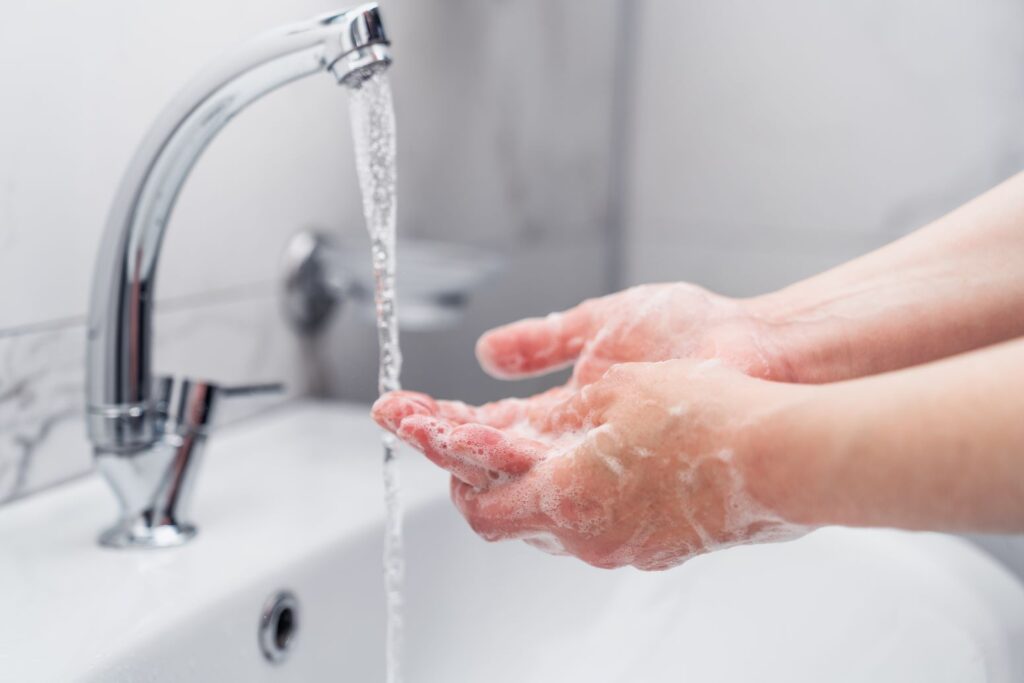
(138, 534)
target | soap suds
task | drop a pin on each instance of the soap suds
(678, 410)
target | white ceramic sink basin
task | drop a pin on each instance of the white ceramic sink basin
(293, 501)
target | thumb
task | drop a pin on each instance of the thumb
(538, 345)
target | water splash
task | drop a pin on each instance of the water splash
(373, 129)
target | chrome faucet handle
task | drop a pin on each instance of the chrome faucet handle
(254, 389)
(190, 406)
(155, 484)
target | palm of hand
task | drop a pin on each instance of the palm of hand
(635, 460)
(629, 470)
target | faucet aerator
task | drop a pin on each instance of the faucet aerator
(353, 69)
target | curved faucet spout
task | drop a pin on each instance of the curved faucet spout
(122, 410)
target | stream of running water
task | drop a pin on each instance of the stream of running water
(373, 129)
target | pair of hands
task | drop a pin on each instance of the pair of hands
(667, 441)
(653, 452)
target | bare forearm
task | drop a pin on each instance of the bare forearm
(953, 286)
(938, 447)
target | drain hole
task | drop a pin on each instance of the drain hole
(284, 630)
(278, 625)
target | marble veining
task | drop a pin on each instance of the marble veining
(42, 438)
(40, 387)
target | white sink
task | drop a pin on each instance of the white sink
(293, 501)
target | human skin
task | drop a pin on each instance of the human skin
(950, 287)
(657, 462)
(936, 447)
(647, 466)
(953, 286)
(667, 441)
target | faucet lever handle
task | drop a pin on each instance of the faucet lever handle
(190, 405)
(246, 399)
(253, 389)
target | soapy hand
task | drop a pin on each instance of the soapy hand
(647, 466)
(650, 454)
(646, 323)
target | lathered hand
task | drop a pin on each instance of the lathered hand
(656, 462)
(646, 323)
(648, 466)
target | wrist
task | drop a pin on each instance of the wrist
(801, 341)
(795, 344)
(787, 448)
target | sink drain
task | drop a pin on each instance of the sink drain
(278, 625)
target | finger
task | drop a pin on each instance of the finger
(431, 435)
(591, 369)
(504, 512)
(495, 450)
(538, 345)
(471, 449)
(573, 410)
(390, 409)
(506, 412)
(499, 414)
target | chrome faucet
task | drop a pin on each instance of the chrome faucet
(148, 433)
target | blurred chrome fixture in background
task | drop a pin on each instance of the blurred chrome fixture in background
(436, 281)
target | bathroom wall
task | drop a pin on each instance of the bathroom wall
(503, 113)
(773, 140)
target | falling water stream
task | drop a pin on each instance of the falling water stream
(373, 129)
